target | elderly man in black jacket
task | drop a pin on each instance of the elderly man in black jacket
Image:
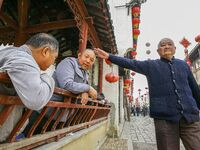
(174, 96)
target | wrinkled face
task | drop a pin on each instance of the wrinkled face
(46, 58)
(86, 59)
(166, 48)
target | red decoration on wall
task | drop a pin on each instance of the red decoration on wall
(111, 77)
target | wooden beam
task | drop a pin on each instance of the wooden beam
(1, 2)
(21, 37)
(62, 24)
(83, 37)
(8, 21)
(80, 12)
(6, 30)
(95, 8)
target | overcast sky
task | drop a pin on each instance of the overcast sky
(166, 18)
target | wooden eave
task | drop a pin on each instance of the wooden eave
(20, 19)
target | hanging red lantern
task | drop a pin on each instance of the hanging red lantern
(197, 38)
(136, 31)
(130, 98)
(108, 62)
(188, 62)
(111, 77)
(133, 53)
(135, 22)
(133, 73)
(135, 11)
(126, 91)
(127, 81)
(185, 42)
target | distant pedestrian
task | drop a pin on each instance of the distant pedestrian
(137, 110)
(174, 96)
(133, 110)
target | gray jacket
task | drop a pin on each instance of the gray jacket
(33, 88)
(69, 76)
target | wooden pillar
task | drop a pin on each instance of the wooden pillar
(21, 37)
(83, 37)
(1, 2)
(100, 75)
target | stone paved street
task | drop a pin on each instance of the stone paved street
(140, 133)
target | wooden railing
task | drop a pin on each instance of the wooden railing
(79, 117)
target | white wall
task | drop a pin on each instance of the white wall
(123, 35)
(122, 24)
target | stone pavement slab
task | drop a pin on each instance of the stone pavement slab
(115, 144)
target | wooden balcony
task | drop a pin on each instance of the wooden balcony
(79, 117)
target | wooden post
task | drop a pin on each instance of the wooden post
(83, 37)
(21, 37)
(100, 75)
(1, 2)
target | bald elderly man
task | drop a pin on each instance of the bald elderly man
(71, 74)
(174, 96)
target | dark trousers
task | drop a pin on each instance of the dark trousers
(168, 135)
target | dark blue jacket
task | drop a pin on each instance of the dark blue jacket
(173, 90)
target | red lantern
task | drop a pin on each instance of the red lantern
(111, 77)
(185, 42)
(133, 73)
(126, 91)
(136, 31)
(133, 53)
(108, 62)
(127, 81)
(188, 62)
(197, 38)
(130, 98)
(135, 22)
(135, 11)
